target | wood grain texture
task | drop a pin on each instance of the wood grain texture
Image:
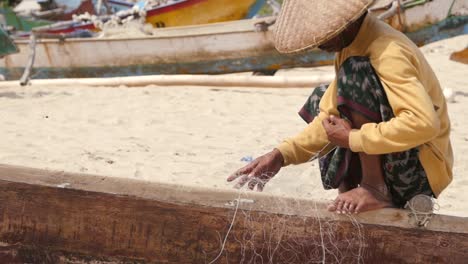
(40, 224)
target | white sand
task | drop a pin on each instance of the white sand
(191, 135)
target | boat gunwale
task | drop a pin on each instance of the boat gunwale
(75, 40)
(218, 198)
(183, 34)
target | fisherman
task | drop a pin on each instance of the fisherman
(380, 129)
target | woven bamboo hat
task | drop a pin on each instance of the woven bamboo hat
(304, 24)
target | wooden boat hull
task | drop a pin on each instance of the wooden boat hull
(214, 48)
(426, 21)
(52, 217)
(207, 49)
(184, 13)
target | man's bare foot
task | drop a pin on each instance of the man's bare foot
(357, 200)
(345, 187)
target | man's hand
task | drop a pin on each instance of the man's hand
(337, 131)
(259, 172)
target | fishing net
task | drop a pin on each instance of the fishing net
(253, 236)
(422, 209)
(299, 231)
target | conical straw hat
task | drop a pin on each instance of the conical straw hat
(304, 24)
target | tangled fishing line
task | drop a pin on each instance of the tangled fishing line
(422, 209)
(259, 237)
(291, 237)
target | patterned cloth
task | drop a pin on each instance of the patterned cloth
(360, 90)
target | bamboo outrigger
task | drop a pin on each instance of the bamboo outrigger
(57, 217)
(246, 81)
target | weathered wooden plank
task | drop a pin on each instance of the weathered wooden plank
(147, 223)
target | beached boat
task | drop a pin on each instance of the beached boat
(58, 217)
(160, 14)
(237, 46)
(212, 48)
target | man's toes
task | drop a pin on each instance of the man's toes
(333, 206)
(339, 206)
(346, 205)
(359, 208)
(351, 208)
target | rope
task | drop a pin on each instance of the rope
(322, 152)
(32, 56)
(450, 9)
(238, 200)
(409, 4)
(393, 10)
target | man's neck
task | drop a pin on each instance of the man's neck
(350, 34)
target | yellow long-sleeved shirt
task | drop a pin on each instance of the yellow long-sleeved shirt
(421, 118)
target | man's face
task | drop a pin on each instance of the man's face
(335, 44)
(343, 39)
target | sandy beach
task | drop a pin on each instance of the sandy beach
(193, 135)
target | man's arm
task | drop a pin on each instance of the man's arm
(415, 121)
(313, 138)
(295, 150)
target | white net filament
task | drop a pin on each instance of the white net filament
(261, 237)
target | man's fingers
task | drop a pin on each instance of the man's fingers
(326, 124)
(242, 171)
(261, 186)
(256, 174)
(252, 183)
(234, 176)
(246, 178)
(242, 181)
(339, 121)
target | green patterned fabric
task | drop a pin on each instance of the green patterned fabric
(6, 44)
(360, 90)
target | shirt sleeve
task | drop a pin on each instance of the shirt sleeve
(313, 138)
(415, 121)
